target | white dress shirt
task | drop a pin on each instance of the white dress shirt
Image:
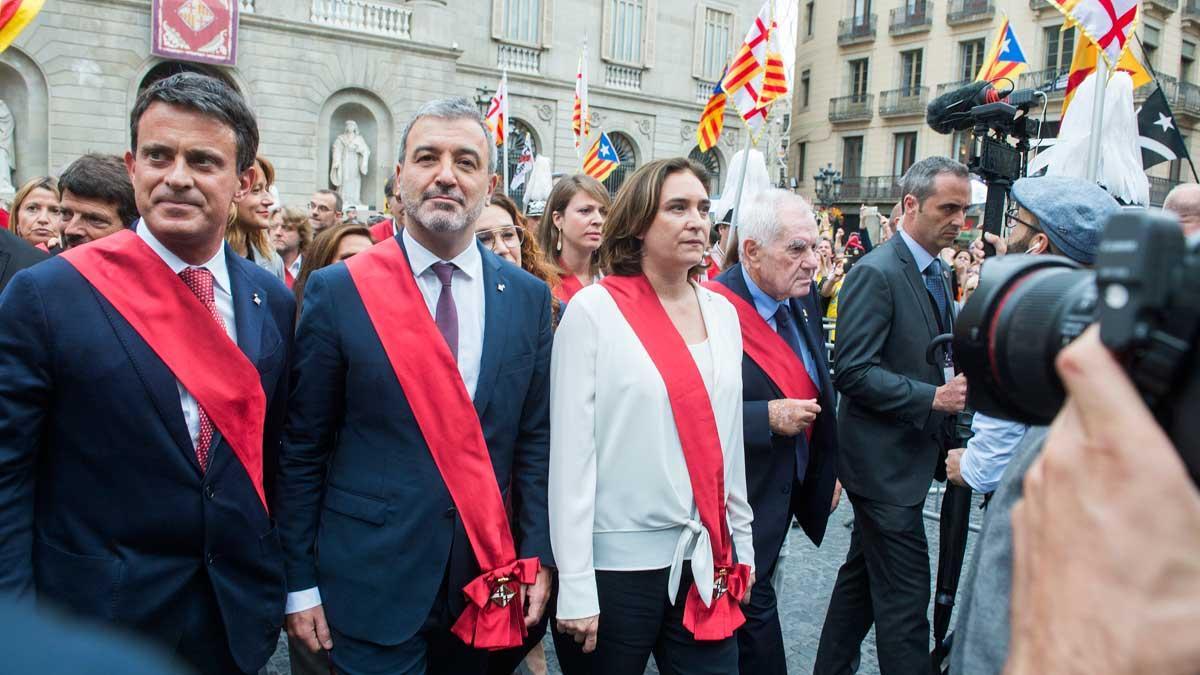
(620, 494)
(466, 286)
(222, 294)
(294, 268)
(989, 451)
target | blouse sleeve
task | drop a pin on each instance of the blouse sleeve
(572, 487)
(738, 509)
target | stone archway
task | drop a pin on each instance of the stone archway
(23, 89)
(374, 122)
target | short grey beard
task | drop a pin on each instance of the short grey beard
(440, 223)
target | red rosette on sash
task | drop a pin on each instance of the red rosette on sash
(495, 617)
(720, 618)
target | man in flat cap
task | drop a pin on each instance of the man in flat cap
(1051, 215)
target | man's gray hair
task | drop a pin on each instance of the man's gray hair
(759, 220)
(457, 108)
(920, 178)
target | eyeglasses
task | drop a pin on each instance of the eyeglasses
(511, 236)
(320, 208)
(1011, 217)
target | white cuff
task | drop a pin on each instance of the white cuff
(577, 597)
(302, 600)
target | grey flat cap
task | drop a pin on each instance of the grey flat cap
(1071, 211)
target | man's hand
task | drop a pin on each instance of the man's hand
(954, 467)
(997, 242)
(790, 416)
(952, 396)
(538, 594)
(583, 630)
(1106, 542)
(837, 495)
(309, 626)
(749, 587)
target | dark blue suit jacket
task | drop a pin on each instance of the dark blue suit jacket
(775, 494)
(366, 514)
(106, 511)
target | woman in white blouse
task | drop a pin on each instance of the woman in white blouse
(627, 522)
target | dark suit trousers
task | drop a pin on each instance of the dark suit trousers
(637, 620)
(760, 639)
(203, 644)
(885, 581)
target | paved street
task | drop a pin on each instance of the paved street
(808, 581)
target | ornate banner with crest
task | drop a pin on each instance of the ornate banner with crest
(195, 30)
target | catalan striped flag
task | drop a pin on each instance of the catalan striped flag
(744, 78)
(708, 132)
(497, 113)
(1006, 59)
(15, 15)
(602, 159)
(774, 80)
(579, 116)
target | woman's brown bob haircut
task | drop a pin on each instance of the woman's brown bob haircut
(634, 210)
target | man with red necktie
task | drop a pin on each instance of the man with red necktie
(142, 389)
(419, 408)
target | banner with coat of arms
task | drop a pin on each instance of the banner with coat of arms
(195, 30)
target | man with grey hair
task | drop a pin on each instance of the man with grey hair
(788, 399)
(420, 401)
(894, 301)
(1184, 201)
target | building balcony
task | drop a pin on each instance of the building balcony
(1053, 81)
(704, 91)
(1159, 187)
(363, 17)
(858, 189)
(1163, 7)
(622, 77)
(951, 86)
(1191, 15)
(1170, 87)
(519, 59)
(856, 30)
(907, 22)
(963, 12)
(852, 108)
(1187, 100)
(902, 102)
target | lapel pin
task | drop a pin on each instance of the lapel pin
(500, 287)
(257, 300)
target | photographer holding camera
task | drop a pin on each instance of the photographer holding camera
(1051, 215)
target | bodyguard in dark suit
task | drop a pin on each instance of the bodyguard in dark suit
(143, 379)
(894, 301)
(788, 473)
(16, 255)
(378, 539)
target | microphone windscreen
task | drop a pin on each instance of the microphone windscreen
(944, 114)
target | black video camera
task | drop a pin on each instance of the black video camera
(1145, 293)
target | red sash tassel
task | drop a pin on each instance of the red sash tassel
(697, 427)
(434, 388)
(180, 330)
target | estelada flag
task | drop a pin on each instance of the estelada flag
(1159, 137)
(712, 121)
(1006, 59)
(1084, 62)
(602, 159)
(15, 15)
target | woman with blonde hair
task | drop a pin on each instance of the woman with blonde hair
(647, 487)
(35, 215)
(250, 221)
(570, 231)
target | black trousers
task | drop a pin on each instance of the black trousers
(760, 639)
(203, 644)
(505, 661)
(637, 620)
(885, 581)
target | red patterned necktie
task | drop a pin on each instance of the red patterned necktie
(200, 281)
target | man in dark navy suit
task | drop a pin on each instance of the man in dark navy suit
(791, 443)
(378, 528)
(15, 255)
(142, 384)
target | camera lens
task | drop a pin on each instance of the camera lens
(1025, 310)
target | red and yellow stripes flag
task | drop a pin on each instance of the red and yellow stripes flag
(751, 56)
(1084, 62)
(712, 121)
(774, 81)
(579, 116)
(602, 159)
(15, 15)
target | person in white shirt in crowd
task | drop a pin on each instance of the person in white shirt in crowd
(291, 234)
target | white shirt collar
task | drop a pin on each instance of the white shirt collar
(920, 256)
(470, 262)
(216, 265)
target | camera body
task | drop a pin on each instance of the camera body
(1145, 294)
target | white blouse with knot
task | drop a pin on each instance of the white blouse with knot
(620, 497)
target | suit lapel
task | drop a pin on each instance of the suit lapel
(248, 315)
(734, 281)
(498, 313)
(4, 258)
(920, 293)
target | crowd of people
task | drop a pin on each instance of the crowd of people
(420, 442)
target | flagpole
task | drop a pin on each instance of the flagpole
(507, 133)
(737, 194)
(1101, 75)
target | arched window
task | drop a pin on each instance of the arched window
(627, 151)
(711, 161)
(517, 132)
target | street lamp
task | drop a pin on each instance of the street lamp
(829, 185)
(483, 99)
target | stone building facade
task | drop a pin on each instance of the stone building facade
(866, 69)
(307, 66)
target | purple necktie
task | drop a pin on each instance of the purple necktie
(446, 316)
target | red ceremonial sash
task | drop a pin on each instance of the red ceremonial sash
(493, 619)
(181, 331)
(567, 287)
(766, 348)
(697, 427)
